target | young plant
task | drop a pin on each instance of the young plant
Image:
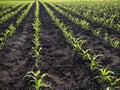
(1, 43)
(9, 15)
(85, 53)
(106, 38)
(117, 26)
(36, 24)
(6, 35)
(113, 84)
(24, 14)
(78, 43)
(37, 80)
(109, 22)
(94, 64)
(105, 75)
(97, 32)
(37, 54)
(114, 42)
(9, 32)
(37, 48)
(84, 24)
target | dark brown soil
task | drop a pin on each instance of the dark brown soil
(98, 46)
(93, 23)
(15, 60)
(111, 32)
(67, 69)
(11, 20)
(12, 9)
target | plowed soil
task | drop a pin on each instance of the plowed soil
(67, 69)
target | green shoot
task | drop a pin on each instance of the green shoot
(105, 75)
(114, 42)
(113, 84)
(37, 80)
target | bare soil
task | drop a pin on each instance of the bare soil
(15, 60)
(67, 69)
(97, 45)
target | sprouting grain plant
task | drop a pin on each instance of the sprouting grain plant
(85, 53)
(113, 84)
(37, 55)
(78, 42)
(84, 24)
(36, 80)
(105, 75)
(114, 42)
(94, 64)
(9, 32)
(106, 38)
(1, 43)
(97, 32)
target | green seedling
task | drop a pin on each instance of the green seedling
(12, 29)
(85, 53)
(94, 64)
(78, 43)
(9, 32)
(1, 43)
(36, 24)
(105, 75)
(84, 24)
(36, 40)
(114, 42)
(6, 34)
(37, 80)
(97, 32)
(113, 84)
(106, 38)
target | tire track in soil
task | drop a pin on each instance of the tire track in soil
(11, 20)
(59, 61)
(15, 60)
(97, 46)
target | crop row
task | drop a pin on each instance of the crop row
(104, 75)
(9, 15)
(11, 9)
(113, 41)
(8, 10)
(6, 5)
(77, 14)
(37, 78)
(12, 28)
(108, 14)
